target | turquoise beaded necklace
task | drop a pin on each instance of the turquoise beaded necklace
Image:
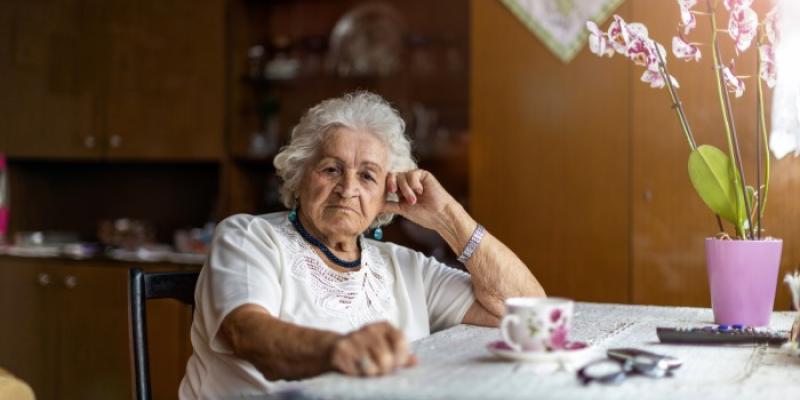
(295, 220)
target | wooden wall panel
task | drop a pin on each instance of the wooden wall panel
(581, 168)
(549, 156)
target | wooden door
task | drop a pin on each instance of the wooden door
(165, 89)
(93, 361)
(49, 79)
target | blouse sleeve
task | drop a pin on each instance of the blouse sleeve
(243, 268)
(448, 293)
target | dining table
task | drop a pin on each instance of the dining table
(456, 364)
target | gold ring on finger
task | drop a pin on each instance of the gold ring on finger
(364, 363)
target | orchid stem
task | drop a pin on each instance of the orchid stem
(730, 127)
(762, 129)
(677, 104)
(757, 206)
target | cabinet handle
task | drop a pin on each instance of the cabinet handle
(115, 141)
(70, 282)
(89, 142)
(43, 279)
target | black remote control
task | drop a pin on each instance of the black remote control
(722, 334)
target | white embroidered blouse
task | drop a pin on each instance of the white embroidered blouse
(262, 260)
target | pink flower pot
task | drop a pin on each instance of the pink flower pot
(743, 276)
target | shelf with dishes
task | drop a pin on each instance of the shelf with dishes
(288, 56)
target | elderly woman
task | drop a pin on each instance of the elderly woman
(294, 294)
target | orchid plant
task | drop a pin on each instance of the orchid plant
(717, 177)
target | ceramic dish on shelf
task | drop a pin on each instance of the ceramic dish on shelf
(574, 352)
(367, 41)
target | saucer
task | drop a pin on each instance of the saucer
(574, 351)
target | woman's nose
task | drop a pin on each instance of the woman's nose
(348, 186)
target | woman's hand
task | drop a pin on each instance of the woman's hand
(422, 197)
(375, 349)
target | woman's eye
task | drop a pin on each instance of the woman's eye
(331, 170)
(368, 177)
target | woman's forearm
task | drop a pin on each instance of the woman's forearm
(497, 273)
(278, 349)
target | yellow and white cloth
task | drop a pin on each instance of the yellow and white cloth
(12, 388)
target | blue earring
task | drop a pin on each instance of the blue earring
(377, 233)
(293, 215)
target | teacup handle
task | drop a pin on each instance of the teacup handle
(509, 319)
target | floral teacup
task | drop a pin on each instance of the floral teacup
(537, 323)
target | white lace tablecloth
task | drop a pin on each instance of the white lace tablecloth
(454, 364)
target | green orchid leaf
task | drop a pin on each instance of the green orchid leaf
(714, 179)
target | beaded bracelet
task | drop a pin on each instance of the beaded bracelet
(472, 244)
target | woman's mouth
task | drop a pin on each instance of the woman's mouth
(341, 208)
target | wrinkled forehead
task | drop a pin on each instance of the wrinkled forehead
(354, 147)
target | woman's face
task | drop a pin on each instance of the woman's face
(343, 188)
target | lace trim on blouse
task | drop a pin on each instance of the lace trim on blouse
(361, 296)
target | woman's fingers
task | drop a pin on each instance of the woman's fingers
(375, 349)
(399, 347)
(414, 179)
(405, 188)
(379, 349)
(345, 356)
(391, 182)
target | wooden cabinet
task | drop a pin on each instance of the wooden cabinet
(24, 345)
(89, 79)
(65, 330)
(50, 95)
(166, 79)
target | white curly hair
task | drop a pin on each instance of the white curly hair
(361, 110)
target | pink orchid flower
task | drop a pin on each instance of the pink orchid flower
(684, 50)
(734, 4)
(771, 25)
(733, 83)
(637, 31)
(618, 34)
(768, 70)
(598, 41)
(688, 20)
(742, 27)
(656, 79)
(642, 51)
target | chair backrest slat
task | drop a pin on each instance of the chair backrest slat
(145, 286)
(170, 285)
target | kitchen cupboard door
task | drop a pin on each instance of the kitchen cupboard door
(25, 343)
(49, 79)
(166, 84)
(93, 352)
